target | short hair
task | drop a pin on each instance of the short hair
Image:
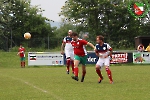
(74, 34)
(100, 37)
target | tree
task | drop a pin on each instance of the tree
(110, 18)
(18, 17)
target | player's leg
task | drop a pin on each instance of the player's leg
(76, 69)
(98, 66)
(108, 71)
(23, 61)
(83, 62)
(72, 65)
(83, 72)
(67, 61)
(72, 61)
(68, 64)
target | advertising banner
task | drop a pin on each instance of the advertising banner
(141, 57)
(117, 57)
(45, 58)
(121, 57)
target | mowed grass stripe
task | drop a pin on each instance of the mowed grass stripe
(130, 83)
(16, 82)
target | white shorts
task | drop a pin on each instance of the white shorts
(69, 54)
(103, 62)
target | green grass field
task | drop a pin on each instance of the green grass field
(131, 82)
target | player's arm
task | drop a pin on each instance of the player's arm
(84, 42)
(110, 51)
(62, 48)
(18, 52)
(91, 45)
(96, 52)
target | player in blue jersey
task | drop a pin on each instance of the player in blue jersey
(103, 51)
(67, 49)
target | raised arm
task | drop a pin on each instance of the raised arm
(91, 45)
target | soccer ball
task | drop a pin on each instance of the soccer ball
(27, 35)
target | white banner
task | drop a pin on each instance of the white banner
(141, 57)
(45, 58)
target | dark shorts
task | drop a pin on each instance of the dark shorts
(22, 58)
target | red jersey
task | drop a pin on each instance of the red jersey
(22, 51)
(79, 48)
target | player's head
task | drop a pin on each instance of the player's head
(20, 45)
(99, 39)
(70, 32)
(74, 36)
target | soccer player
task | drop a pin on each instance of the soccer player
(21, 53)
(140, 48)
(80, 55)
(103, 51)
(66, 44)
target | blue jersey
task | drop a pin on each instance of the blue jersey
(67, 40)
(104, 49)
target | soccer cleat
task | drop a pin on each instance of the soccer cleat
(111, 82)
(82, 79)
(75, 78)
(100, 80)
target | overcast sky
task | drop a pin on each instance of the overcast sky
(51, 7)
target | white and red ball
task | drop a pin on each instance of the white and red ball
(27, 35)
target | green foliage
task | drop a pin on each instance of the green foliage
(109, 18)
(63, 30)
(18, 17)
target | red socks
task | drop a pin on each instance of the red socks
(68, 65)
(99, 73)
(22, 64)
(76, 70)
(109, 74)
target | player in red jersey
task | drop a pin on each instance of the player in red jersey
(66, 44)
(103, 51)
(80, 55)
(21, 53)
